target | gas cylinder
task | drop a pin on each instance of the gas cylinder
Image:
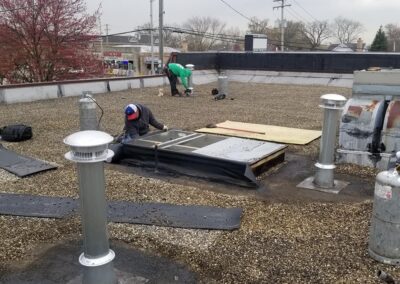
(384, 237)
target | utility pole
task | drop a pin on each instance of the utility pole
(107, 33)
(161, 36)
(282, 7)
(101, 40)
(151, 37)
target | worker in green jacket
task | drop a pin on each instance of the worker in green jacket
(175, 70)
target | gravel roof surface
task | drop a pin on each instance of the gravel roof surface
(290, 241)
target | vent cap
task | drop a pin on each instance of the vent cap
(89, 146)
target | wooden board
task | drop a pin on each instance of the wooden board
(263, 132)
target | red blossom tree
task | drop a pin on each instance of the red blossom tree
(7, 53)
(46, 40)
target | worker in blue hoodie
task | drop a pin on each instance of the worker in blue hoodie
(175, 70)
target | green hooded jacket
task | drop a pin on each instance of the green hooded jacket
(181, 72)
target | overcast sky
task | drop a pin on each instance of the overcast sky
(125, 15)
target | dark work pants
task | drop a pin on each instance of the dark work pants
(173, 79)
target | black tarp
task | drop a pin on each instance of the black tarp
(157, 214)
(21, 165)
(189, 164)
(177, 216)
(36, 206)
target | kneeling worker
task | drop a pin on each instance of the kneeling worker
(175, 70)
(137, 120)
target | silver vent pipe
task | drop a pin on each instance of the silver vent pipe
(323, 180)
(87, 112)
(89, 149)
(332, 105)
(223, 84)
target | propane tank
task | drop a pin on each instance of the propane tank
(384, 238)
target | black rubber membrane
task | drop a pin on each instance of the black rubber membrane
(142, 153)
(21, 165)
(158, 214)
(36, 206)
(178, 216)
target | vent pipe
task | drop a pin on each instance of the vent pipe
(324, 179)
(332, 105)
(87, 112)
(223, 84)
(89, 149)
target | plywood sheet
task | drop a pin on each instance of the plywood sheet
(263, 132)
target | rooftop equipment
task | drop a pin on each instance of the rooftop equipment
(370, 124)
(255, 43)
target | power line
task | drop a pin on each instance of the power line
(190, 31)
(298, 4)
(221, 37)
(297, 15)
(238, 12)
(129, 32)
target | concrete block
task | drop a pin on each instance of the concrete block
(120, 85)
(29, 94)
(76, 89)
(384, 77)
(152, 82)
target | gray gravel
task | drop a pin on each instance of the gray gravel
(278, 242)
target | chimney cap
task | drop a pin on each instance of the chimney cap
(88, 138)
(89, 146)
(333, 101)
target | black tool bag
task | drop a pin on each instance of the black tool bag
(16, 133)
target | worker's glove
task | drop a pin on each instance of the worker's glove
(188, 92)
(165, 128)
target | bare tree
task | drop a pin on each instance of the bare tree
(256, 26)
(203, 33)
(345, 30)
(231, 40)
(393, 34)
(316, 32)
(294, 38)
(173, 36)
